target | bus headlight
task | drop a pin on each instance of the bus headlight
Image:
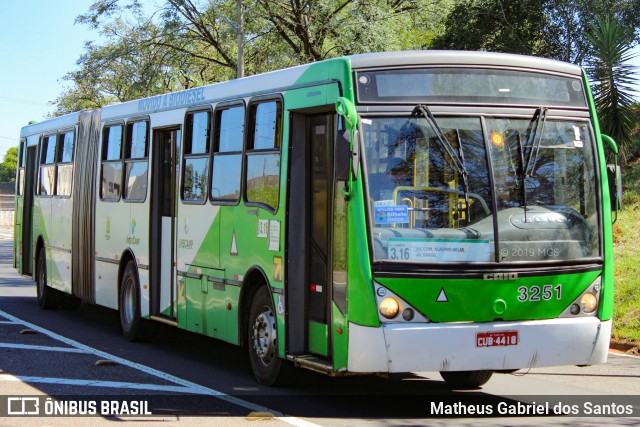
(586, 304)
(389, 308)
(589, 302)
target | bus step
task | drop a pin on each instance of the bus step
(164, 320)
(314, 364)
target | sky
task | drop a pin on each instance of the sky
(39, 44)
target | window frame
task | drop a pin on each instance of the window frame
(127, 160)
(183, 161)
(42, 156)
(215, 146)
(103, 153)
(58, 163)
(249, 141)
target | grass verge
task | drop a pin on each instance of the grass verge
(626, 238)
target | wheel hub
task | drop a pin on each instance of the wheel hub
(264, 336)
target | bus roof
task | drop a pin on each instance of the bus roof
(456, 57)
(68, 120)
(281, 80)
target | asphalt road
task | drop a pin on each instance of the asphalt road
(56, 353)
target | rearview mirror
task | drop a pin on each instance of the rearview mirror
(343, 155)
(614, 176)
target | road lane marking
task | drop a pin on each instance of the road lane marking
(197, 388)
(8, 322)
(97, 383)
(624, 355)
(41, 348)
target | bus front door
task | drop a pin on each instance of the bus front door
(310, 221)
(163, 213)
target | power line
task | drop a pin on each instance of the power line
(23, 101)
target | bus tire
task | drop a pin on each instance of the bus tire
(466, 379)
(129, 306)
(47, 297)
(262, 340)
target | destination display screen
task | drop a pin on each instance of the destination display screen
(469, 86)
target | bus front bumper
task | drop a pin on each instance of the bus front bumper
(414, 347)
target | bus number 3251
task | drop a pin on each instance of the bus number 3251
(537, 293)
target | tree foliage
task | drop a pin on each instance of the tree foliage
(555, 29)
(613, 79)
(8, 165)
(187, 43)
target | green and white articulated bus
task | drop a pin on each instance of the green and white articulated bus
(378, 213)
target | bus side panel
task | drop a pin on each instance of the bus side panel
(17, 235)
(111, 228)
(106, 284)
(605, 311)
(42, 228)
(198, 234)
(61, 215)
(138, 244)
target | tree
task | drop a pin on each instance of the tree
(613, 80)
(496, 25)
(190, 42)
(555, 29)
(8, 165)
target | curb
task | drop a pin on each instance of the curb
(627, 347)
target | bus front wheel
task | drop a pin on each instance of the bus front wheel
(262, 340)
(130, 320)
(47, 297)
(466, 379)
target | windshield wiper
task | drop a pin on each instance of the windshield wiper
(426, 113)
(535, 139)
(457, 159)
(521, 177)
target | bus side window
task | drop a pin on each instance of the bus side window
(227, 155)
(196, 157)
(64, 163)
(263, 153)
(47, 166)
(136, 161)
(21, 155)
(111, 178)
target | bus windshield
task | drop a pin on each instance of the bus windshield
(530, 184)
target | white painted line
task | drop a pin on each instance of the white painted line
(41, 348)
(97, 383)
(197, 388)
(8, 322)
(611, 353)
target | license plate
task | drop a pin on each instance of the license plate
(496, 339)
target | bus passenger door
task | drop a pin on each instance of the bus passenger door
(28, 182)
(310, 221)
(163, 213)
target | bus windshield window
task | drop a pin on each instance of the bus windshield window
(550, 212)
(422, 211)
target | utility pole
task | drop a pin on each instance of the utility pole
(237, 27)
(240, 34)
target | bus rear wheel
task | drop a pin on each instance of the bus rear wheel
(262, 340)
(47, 297)
(466, 379)
(129, 300)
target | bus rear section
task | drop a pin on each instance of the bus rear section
(489, 225)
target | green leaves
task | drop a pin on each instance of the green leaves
(613, 79)
(8, 165)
